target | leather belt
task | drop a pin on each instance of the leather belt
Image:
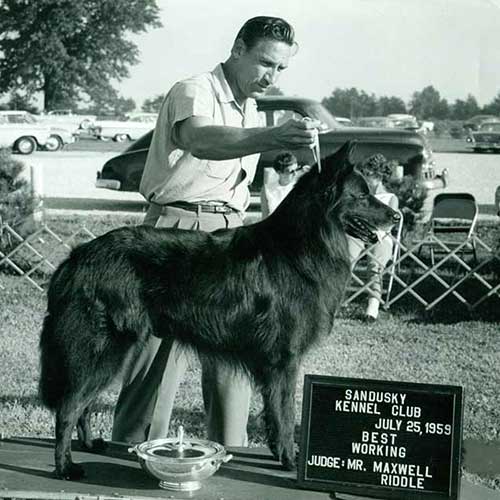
(202, 207)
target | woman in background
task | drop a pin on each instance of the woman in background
(279, 181)
(376, 170)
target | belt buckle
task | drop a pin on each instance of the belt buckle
(221, 209)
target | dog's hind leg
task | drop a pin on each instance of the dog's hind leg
(66, 418)
(278, 393)
(85, 434)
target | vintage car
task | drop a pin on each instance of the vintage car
(58, 136)
(131, 127)
(68, 119)
(476, 121)
(497, 200)
(20, 131)
(486, 137)
(409, 149)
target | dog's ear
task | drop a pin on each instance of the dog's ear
(340, 164)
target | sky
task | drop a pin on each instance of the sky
(384, 47)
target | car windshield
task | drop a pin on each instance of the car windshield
(490, 127)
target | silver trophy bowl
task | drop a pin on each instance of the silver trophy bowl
(180, 464)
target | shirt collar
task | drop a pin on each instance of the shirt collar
(222, 88)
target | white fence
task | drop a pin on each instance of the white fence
(471, 281)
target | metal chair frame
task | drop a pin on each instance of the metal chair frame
(448, 208)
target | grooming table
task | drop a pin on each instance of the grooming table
(27, 464)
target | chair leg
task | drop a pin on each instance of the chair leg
(476, 262)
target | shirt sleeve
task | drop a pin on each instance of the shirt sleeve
(191, 98)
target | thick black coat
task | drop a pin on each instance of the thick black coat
(257, 297)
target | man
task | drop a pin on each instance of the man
(202, 158)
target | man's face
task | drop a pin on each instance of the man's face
(259, 67)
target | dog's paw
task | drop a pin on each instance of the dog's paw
(284, 454)
(71, 472)
(288, 459)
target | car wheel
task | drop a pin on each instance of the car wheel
(25, 145)
(120, 137)
(103, 138)
(54, 143)
(85, 124)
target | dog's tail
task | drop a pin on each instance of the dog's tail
(52, 384)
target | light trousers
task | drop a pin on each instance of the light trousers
(151, 381)
(379, 255)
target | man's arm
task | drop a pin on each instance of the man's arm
(217, 142)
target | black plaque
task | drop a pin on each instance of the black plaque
(381, 439)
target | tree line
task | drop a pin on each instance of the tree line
(426, 104)
(76, 52)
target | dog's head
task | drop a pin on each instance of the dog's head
(342, 193)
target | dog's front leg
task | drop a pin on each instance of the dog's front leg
(278, 394)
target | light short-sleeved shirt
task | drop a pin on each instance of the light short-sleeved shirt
(172, 174)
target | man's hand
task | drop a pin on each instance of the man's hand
(295, 134)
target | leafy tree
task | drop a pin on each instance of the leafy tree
(388, 105)
(66, 48)
(493, 108)
(461, 110)
(428, 104)
(18, 101)
(16, 198)
(110, 103)
(152, 105)
(350, 103)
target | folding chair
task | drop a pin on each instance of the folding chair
(452, 213)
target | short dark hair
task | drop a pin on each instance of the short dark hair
(265, 27)
(284, 160)
(376, 166)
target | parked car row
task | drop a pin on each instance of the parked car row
(68, 119)
(408, 148)
(129, 128)
(396, 120)
(25, 133)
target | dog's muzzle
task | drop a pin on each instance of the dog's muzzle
(361, 229)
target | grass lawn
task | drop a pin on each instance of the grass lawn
(405, 345)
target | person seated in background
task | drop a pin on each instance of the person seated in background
(376, 170)
(279, 181)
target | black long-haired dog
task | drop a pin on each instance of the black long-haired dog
(257, 297)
